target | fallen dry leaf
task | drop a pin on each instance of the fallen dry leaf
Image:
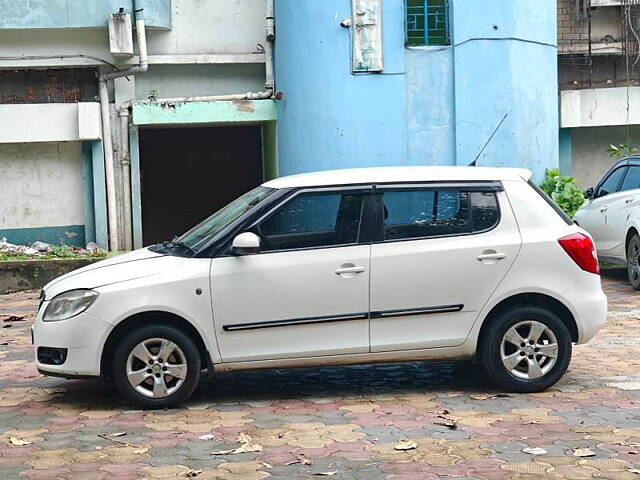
(533, 422)
(119, 434)
(208, 436)
(405, 444)
(266, 465)
(447, 422)
(534, 451)
(487, 396)
(583, 452)
(301, 460)
(18, 442)
(246, 447)
(326, 474)
(192, 473)
(634, 470)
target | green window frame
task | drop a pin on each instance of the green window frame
(427, 22)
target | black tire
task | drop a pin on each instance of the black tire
(633, 261)
(188, 349)
(491, 353)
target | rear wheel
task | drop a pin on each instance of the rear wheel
(526, 349)
(633, 261)
(156, 366)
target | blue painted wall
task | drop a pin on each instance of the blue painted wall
(78, 13)
(431, 105)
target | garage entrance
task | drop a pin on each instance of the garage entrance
(189, 173)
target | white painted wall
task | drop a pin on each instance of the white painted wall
(599, 107)
(197, 80)
(50, 122)
(41, 185)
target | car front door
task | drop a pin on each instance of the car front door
(619, 206)
(594, 215)
(306, 293)
(445, 250)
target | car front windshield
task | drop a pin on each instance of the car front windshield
(201, 233)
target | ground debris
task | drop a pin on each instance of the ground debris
(246, 446)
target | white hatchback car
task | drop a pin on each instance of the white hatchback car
(339, 267)
(612, 217)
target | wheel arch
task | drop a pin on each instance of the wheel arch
(529, 299)
(630, 233)
(155, 317)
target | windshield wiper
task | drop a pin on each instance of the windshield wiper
(178, 243)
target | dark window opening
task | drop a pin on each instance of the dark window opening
(56, 85)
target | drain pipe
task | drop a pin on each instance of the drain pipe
(268, 49)
(125, 161)
(142, 67)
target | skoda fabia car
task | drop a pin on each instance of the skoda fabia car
(332, 268)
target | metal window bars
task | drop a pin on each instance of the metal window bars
(427, 22)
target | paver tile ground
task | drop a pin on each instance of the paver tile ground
(342, 423)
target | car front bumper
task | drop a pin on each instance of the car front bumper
(82, 336)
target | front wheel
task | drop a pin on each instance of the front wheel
(633, 261)
(526, 349)
(156, 366)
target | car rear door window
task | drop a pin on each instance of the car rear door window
(423, 213)
(313, 220)
(631, 179)
(611, 183)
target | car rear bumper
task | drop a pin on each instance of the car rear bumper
(589, 305)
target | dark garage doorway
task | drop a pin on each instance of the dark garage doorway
(189, 173)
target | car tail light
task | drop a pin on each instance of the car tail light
(581, 249)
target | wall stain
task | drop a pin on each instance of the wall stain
(244, 106)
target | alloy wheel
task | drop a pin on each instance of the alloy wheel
(156, 367)
(529, 350)
(633, 261)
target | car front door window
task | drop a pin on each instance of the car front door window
(315, 219)
(631, 179)
(611, 184)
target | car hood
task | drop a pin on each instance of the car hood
(128, 266)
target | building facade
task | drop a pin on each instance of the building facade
(451, 73)
(127, 140)
(599, 78)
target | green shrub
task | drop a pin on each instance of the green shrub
(563, 190)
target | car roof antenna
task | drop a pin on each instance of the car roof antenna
(473, 164)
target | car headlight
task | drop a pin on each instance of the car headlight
(69, 304)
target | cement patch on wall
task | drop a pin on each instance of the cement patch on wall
(41, 185)
(590, 159)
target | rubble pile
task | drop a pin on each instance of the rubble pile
(42, 249)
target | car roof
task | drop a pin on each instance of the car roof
(351, 176)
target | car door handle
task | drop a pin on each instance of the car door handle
(349, 268)
(491, 256)
(603, 209)
(628, 201)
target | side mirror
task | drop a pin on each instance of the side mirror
(246, 243)
(588, 193)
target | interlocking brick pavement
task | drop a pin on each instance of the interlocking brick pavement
(341, 422)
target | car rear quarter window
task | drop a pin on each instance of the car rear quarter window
(484, 210)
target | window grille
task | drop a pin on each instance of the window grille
(427, 22)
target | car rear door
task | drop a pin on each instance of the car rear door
(445, 249)
(306, 293)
